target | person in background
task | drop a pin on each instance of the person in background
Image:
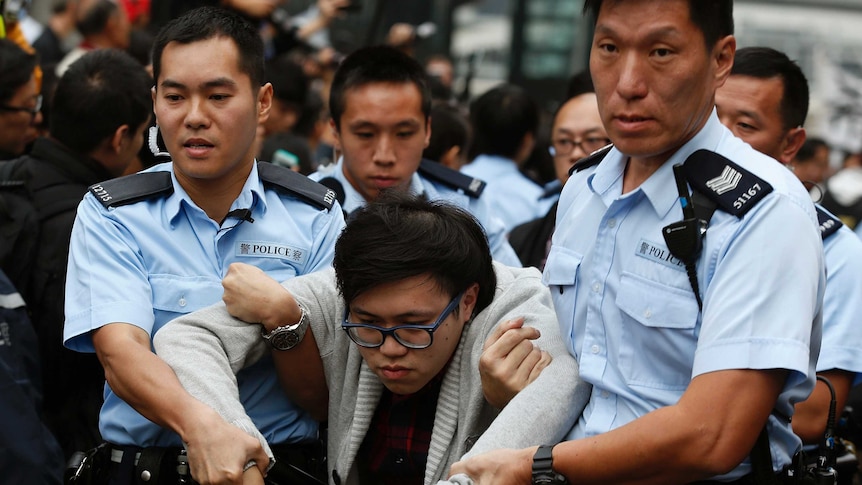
(103, 25)
(811, 163)
(82, 150)
(380, 109)
(576, 132)
(20, 101)
(693, 355)
(504, 122)
(765, 102)
(450, 136)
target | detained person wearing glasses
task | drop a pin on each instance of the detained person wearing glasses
(577, 131)
(397, 329)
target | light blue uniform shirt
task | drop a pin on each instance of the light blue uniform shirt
(148, 262)
(513, 197)
(501, 250)
(628, 311)
(842, 303)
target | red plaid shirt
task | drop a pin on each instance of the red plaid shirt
(395, 448)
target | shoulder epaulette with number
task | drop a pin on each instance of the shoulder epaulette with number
(297, 184)
(734, 189)
(452, 178)
(590, 160)
(829, 224)
(133, 188)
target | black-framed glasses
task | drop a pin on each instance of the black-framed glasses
(410, 336)
(33, 111)
(565, 146)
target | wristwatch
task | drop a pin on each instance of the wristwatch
(287, 337)
(543, 471)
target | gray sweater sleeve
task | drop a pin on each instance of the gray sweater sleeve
(546, 410)
(206, 349)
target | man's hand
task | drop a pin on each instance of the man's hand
(218, 452)
(510, 361)
(252, 296)
(498, 467)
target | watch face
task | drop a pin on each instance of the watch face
(285, 340)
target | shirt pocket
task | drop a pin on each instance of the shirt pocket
(561, 276)
(179, 295)
(659, 333)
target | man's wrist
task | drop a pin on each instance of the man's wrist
(543, 468)
(290, 314)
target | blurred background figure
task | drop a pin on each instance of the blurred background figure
(842, 193)
(450, 136)
(811, 163)
(20, 100)
(103, 24)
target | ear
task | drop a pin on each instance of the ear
(791, 144)
(427, 131)
(336, 134)
(120, 138)
(264, 101)
(722, 56)
(468, 302)
(451, 158)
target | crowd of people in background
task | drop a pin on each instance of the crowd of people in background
(77, 102)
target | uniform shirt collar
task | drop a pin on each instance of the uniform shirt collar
(660, 187)
(497, 164)
(251, 196)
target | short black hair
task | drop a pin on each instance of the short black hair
(400, 236)
(289, 82)
(449, 128)
(713, 17)
(206, 23)
(101, 91)
(809, 149)
(580, 83)
(16, 68)
(376, 64)
(500, 119)
(95, 18)
(768, 63)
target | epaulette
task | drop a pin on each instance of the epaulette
(297, 184)
(452, 178)
(590, 160)
(132, 188)
(733, 189)
(829, 224)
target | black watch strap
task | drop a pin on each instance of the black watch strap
(543, 468)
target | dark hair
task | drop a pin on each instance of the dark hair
(289, 82)
(580, 83)
(767, 63)
(16, 68)
(400, 236)
(376, 64)
(449, 128)
(101, 91)
(713, 17)
(809, 149)
(500, 119)
(94, 19)
(206, 23)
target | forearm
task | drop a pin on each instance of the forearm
(809, 417)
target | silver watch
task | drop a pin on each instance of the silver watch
(287, 337)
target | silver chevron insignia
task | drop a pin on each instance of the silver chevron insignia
(728, 180)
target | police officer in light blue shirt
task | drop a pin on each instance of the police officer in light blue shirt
(691, 296)
(504, 121)
(380, 106)
(155, 245)
(765, 102)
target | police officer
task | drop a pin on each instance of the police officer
(693, 354)
(152, 246)
(765, 102)
(380, 105)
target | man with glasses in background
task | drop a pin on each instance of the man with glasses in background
(397, 331)
(20, 101)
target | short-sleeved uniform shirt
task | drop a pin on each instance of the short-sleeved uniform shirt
(513, 197)
(842, 303)
(148, 262)
(628, 310)
(501, 250)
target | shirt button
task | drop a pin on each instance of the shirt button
(594, 349)
(182, 301)
(647, 313)
(596, 287)
(399, 460)
(605, 394)
(612, 222)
